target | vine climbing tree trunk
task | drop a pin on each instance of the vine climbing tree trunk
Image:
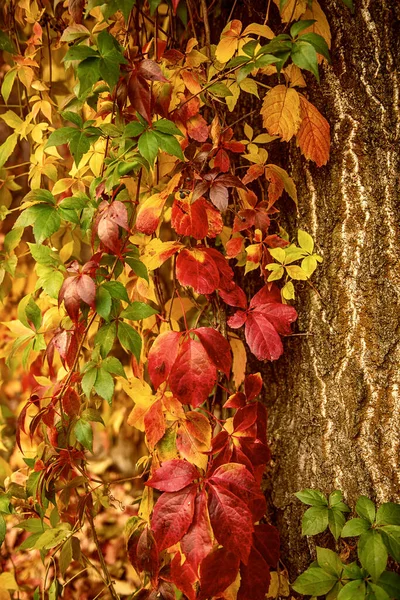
(334, 396)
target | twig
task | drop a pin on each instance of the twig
(103, 563)
(207, 32)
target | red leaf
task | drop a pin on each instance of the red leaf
(234, 247)
(222, 161)
(266, 540)
(266, 295)
(140, 96)
(86, 290)
(217, 571)
(147, 555)
(235, 297)
(183, 576)
(237, 400)
(245, 418)
(190, 219)
(196, 544)
(231, 520)
(194, 268)
(225, 272)
(154, 423)
(151, 71)
(238, 319)
(173, 476)
(197, 128)
(276, 185)
(262, 337)
(217, 348)
(253, 386)
(70, 402)
(244, 220)
(162, 356)
(238, 480)
(75, 9)
(219, 196)
(175, 4)
(215, 222)
(193, 376)
(254, 578)
(73, 290)
(172, 516)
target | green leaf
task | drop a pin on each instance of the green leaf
(336, 501)
(388, 514)
(103, 302)
(315, 520)
(355, 527)
(336, 520)
(113, 365)
(148, 146)
(376, 592)
(130, 339)
(116, 290)
(134, 129)
(372, 553)
(65, 558)
(88, 381)
(318, 42)
(312, 497)
(88, 73)
(8, 84)
(3, 529)
(104, 385)
(296, 28)
(349, 4)
(68, 115)
(7, 148)
(166, 126)
(12, 239)
(391, 539)
(138, 311)
(315, 582)
(60, 136)
(365, 508)
(84, 434)
(307, 243)
(79, 144)
(304, 56)
(47, 222)
(220, 90)
(355, 590)
(329, 561)
(138, 267)
(105, 337)
(352, 571)
(79, 52)
(6, 44)
(111, 58)
(51, 538)
(5, 503)
(390, 582)
(169, 144)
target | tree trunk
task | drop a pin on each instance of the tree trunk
(334, 396)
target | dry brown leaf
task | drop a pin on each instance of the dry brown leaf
(292, 10)
(313, 137)
(281, 112)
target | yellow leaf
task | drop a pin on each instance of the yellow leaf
(239, 360)
(313, 136)
(248, 131)
(226, 49)
(231, 101)
(292, 10)
(258, 29)
(249, 86)
(157, 252)
(294, 76)
(281, 112)
(279, 585)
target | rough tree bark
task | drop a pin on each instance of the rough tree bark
(334, 396)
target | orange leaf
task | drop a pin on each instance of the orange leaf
(281, 112)
(314, 134)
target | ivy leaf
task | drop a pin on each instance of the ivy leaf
(104, 384)
(388, 514)
(162, 356)
(217, 348)
(103, 302)
(196, 544)
(2, 529)
(169, 144)
(84, 434)
(314, 582)
(47, 222)
(304, 56)
(166, 126)
(329, 562)
(217, 571)
(173, 475)
(372, 553)
(6, 44)
(298, 27)
(336, 521)
(318, 42)
(148, 146)
(130, 339)
(113, 365)
(349, 4)
(138, 311)
(313, 136)
(315, 520)
(365, 508)
(390, 582)
(354, 590)
(391, 538)
(111, 58)
(312, 497)
(172, 516)
(105, 337)
(355, 527)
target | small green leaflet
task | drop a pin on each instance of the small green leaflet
(84, 434)
(6, 44)
(138, 311)
(79, 140)
(130, 339)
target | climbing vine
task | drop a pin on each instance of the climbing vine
(143, 197)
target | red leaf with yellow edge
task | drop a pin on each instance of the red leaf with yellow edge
(254, 578)
(190, 219)
(173, 475)
(194, 268)
(217, 348)
(183, 576)
(196, 544)
(231, 520)
(162, 356)
(154, 423)
(237, 400)
(193, 376)
(193, 438)
(172, 516)
(217, 571)
(313, 136)
(149, 212)
(215, 222)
